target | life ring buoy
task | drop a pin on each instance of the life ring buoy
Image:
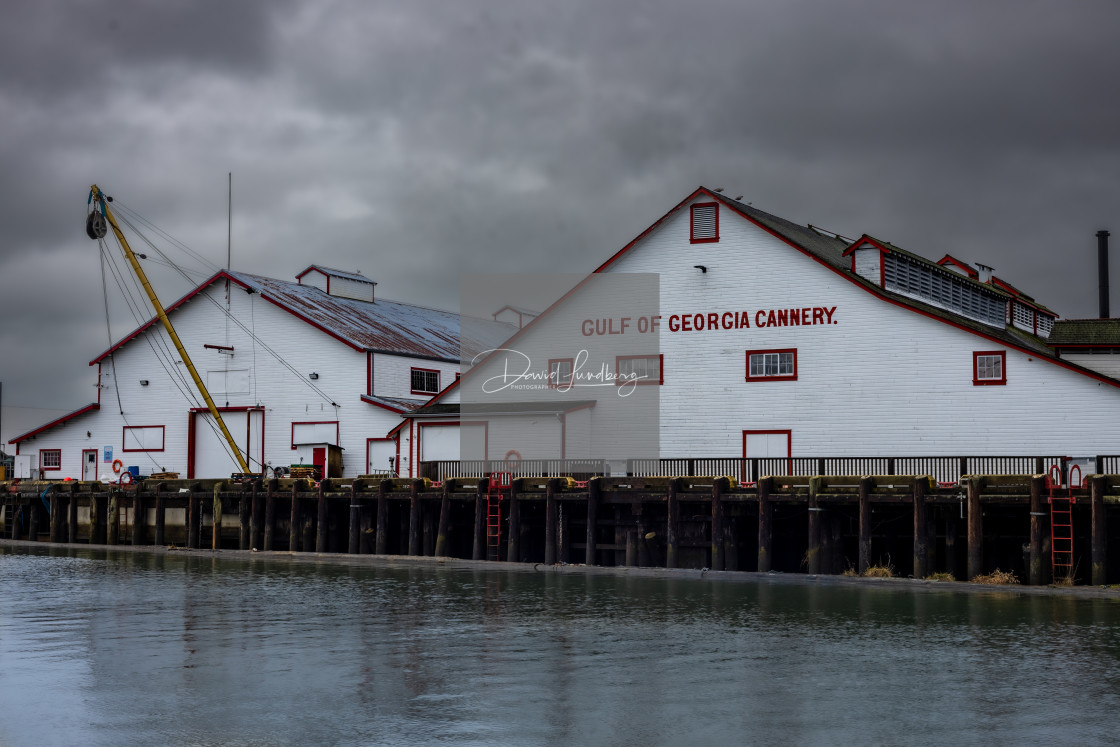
(513, 453)
(117, 464)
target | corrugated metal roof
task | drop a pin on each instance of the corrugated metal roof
(382, 325)
(377, 326)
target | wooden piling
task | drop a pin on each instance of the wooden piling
(321, 520)
(1038, 484)
(161, 516)
(139, 520)
(33, 519)
(718, 555)
(813, 554)
(256, 517)
(216, 524)
(365, 544)
(293, 525)
(269, 516)
(551, 487)
(244, 519)
(952, 529)
(193, 524)
(921, 529)
(382, 516)
(414, 518)
(632, 548)
(594, 491)
(1099, 542)
(113, 527)
(672, 533)
(72, 518)
(513, 551)
(444, 521)
(765, 525)
(866, 484)
(428, 538)
(478, 545)
(56, 519)
(975, 530)
(354, 540)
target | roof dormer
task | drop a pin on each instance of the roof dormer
(950, 262)
(338, 283)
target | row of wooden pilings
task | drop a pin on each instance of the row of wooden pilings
(643, 507)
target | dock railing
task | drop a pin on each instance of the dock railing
(943, 469)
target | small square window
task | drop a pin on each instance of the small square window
(705, 222)
(560, 373)
(425, 381)
(639, 369)
(989, 367)
(50, 459)
(772, 365)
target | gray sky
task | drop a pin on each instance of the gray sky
(419, 140)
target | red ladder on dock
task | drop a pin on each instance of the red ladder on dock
(499, 481)
(1061, 522)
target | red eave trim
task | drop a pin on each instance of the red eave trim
(206, 284)
(873, 290)
(168, 309)
(949, 259)
(53, 423)
(369, 401)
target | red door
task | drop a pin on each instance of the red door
(319, 459)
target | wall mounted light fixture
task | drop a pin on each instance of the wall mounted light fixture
(313, 376)
(143, 382)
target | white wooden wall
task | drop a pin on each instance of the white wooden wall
(881, 380)
(284, 394)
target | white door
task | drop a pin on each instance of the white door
(211, 453)
(771, 448)
(381, 451)
(89, 465)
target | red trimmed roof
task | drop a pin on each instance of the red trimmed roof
(969, 270)
(381, 326)
(865, 239)
(58, 421)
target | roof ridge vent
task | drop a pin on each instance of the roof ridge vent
(339, 283)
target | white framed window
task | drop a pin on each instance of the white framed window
(772, 365)
(425, 381)
(640, 369)
(989, 367)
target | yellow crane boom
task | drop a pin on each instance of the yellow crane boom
(98, 198)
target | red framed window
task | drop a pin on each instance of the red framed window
(772, 365)
(50, 459)
(425, 381)
(705, 223)
(560, 372)
(989, 367)
(639, 369)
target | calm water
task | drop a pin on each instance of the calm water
(129, 648)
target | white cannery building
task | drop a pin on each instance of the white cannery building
(778, 340)
(315, 371)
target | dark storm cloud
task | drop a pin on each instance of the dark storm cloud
(415, 141)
